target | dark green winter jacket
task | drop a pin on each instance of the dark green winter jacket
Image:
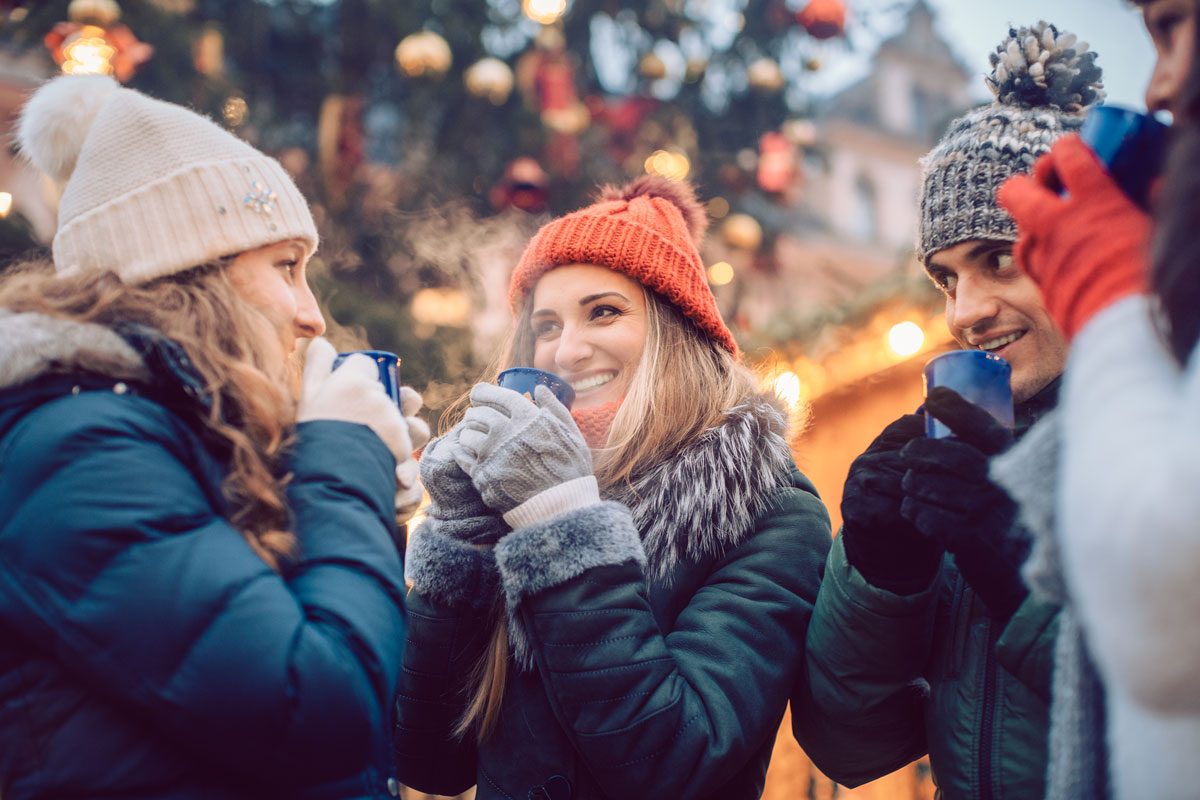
(907, 675)
(655, 640)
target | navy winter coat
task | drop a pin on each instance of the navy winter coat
(145, 650)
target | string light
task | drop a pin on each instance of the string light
(88, 53)
(545, 12)
(443, 306)
(788, 388)
(666, 164)
(906, 338)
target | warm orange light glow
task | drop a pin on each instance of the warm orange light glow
(88, 53)
(546, 12)
(720, 273)
(447, 306)
(667, 164)
(906, 338)
(788, 388)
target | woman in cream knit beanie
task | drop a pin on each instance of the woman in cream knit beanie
(611, 597)
(199, 591)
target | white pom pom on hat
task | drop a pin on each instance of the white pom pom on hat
(150, 188)
(55, 121)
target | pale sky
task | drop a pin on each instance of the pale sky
(1113, 28)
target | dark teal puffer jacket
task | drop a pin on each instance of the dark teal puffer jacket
(145, 650)
(661, 643)
(906, 675)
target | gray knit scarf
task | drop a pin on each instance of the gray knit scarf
(1078, 762)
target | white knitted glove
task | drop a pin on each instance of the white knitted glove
(408, 473)
(351, 393)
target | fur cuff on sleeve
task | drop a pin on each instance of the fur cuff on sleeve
(448, 570)
(561, 548)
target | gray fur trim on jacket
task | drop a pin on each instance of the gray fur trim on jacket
(702, 501)
(33, 345)
(556, 550)
(449, 570)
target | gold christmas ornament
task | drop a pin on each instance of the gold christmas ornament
(695, 69)
(742, 231)
(234, 111)
(94, 12)
(423, 54)
(570, 121)
(764, 75)
(652, 68)
(490, 78)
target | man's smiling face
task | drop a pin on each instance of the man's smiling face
(992, 305)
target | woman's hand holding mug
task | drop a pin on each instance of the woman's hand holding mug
(516, 450)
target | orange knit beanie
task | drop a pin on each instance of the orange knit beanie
(649, 230)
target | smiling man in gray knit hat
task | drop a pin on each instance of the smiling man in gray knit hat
(923, 634)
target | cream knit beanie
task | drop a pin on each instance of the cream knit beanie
(150, 188)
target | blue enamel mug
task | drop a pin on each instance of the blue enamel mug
(981, 378)
(1131, 145)
(388, 365)
(526, 379)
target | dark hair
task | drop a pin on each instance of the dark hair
(1175, 270)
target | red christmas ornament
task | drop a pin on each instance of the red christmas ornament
(622, 118)
(776, 162)
(523, 186)
(823, 19)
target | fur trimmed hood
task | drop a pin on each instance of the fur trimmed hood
(702, 501)
(33, 345)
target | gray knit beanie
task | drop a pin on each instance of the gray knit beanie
(1043, 80)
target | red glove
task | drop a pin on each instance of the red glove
(1085, 250)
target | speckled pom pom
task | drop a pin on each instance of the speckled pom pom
(1041, 66)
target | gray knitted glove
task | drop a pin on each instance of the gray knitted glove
(515, 450)
(454, 501)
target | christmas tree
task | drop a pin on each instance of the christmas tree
(419, 129)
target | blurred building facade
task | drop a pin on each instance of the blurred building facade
(846, 275)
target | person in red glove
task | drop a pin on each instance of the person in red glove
(1120, 545)
(1082, 240)
(924, 634)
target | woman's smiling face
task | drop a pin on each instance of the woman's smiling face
(589, 327)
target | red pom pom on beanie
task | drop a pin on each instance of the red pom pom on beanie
(649, 230)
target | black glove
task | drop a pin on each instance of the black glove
(453, 499)
(879, 542)
(949, 498)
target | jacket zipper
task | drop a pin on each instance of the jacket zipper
(989, 714)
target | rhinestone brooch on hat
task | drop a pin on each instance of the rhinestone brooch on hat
(260, 199)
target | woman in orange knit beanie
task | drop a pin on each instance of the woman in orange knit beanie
(620, 616)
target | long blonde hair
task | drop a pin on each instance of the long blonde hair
(683, 385)
(252, 409)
